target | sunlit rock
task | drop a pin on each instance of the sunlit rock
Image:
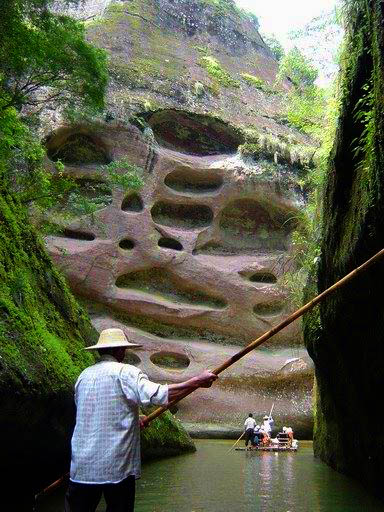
(190, 265)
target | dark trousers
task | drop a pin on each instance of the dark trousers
(85, 497)
(248, 435)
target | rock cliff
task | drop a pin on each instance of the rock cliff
(190, 264)
(345, 337)
(43, 332)
(42, 335)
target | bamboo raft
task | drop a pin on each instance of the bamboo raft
(276, 448)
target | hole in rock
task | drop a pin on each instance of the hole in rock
(168, 330)
(77, 149)
(170, 360)
(263, 277)
(269, 308)
(87, 196)
(246, 224)
(132, 203)
(131, 358)
(196, 182)
(194, 134)
(187, 216)
(77, 235)
(170, 243)
(127, 244)
(161, 284)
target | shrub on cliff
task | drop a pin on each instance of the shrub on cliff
(44, 61)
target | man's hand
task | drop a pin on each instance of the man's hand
(205, 379)
(143, 422)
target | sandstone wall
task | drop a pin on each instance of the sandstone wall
(190, 264)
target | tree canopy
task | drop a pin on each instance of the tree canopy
(298, 69)
(45, 60)
(274, 45)
(44, 57)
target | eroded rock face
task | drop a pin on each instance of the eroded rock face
(189, 266)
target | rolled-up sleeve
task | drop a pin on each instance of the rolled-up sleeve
(151, 393)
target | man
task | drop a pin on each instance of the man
(267, 425)
(106, 439)
(249, 427)
(255, 441)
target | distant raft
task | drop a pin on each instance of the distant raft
(275, 445)
(272, 448)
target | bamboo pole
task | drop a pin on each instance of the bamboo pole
(264, 337)
(232, 447)
(248, 349)
(53, 486)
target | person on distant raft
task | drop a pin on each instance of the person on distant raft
(267, 425)
(249, 427)
(106, 440)
(257, 436)
(289, 431)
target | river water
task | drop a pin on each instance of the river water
(213, 480)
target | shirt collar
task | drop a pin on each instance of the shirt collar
(108, 357)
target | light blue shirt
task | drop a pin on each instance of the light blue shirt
(106, 439)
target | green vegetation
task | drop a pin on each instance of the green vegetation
(274, 45)
(42, 329)
(165, 436)
(305, 110)
(299, 70)
(257, 82)
(217, 72)
(44, 60)
(228, 7)
(85, 196)
(345, 340)
(39, 49)
(306, 101)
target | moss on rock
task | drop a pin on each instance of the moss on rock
(42, 328)
(43, 332)
(42, 335)
(165, 436)
(345, 338)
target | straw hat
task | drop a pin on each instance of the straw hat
(112, 338)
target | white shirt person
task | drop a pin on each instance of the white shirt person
(267, 425)
(106, 440)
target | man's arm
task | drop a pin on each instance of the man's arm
(204, 380)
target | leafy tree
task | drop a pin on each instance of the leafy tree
(44, 57)
(274, 45)
(44, 61)
(298, 69)
(305, 110)
(305, 102)
(320, 40)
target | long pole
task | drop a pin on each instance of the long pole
(232, 447)
(251, 346)
(262, 339)
(273, 405)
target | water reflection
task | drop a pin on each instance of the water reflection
(212, 480)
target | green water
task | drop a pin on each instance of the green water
(211, 480)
